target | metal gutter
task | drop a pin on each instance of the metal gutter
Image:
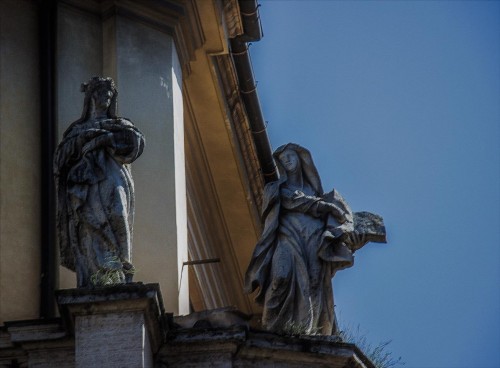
(249, 10)
(248, 89)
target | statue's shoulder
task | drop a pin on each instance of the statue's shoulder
(271, 196)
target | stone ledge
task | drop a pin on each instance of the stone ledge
(210, 338)
(36, 343)
(303, 350)
(238, 346)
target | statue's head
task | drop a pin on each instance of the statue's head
(100, 93)
(291, 157)
(290, 160)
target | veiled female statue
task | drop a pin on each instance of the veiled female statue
(95, 191)
(308, 235)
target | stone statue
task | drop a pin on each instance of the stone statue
(95, 191)
(308, 235)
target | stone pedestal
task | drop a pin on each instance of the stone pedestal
(120, 326)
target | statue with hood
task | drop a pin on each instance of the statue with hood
(95, 190)
(308, 235)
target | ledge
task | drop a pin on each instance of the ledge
(34, 330)
(237, 346)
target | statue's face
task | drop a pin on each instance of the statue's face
(102, 98)
(290, 160)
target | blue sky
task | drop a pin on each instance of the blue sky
(399, 103)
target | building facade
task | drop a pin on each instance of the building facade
(184, 77)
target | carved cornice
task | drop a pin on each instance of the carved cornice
(240, 124)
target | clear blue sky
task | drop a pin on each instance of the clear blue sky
(399, 103)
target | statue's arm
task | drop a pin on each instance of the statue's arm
(121, 140)
(314, 206)
(127, 142)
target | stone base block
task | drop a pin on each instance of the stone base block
(119, 326)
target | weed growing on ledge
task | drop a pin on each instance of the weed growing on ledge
(378, 354)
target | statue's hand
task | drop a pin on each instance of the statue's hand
(341, 218)
(339, 215)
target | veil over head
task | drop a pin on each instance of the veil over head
(309, 171)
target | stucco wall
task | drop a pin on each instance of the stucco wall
(19, 161)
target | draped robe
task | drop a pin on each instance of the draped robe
(296, 257)
(95, 195)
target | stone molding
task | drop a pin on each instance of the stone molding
(239, 347)
(39, 343)
(239, 119)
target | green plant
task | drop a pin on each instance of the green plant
(378, 354)
(106, 277)
(112, 273)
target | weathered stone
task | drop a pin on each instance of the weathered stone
(238, 347)
(95, 190)
(214, 318)
(308, 235)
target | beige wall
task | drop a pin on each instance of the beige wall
(19, 161)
